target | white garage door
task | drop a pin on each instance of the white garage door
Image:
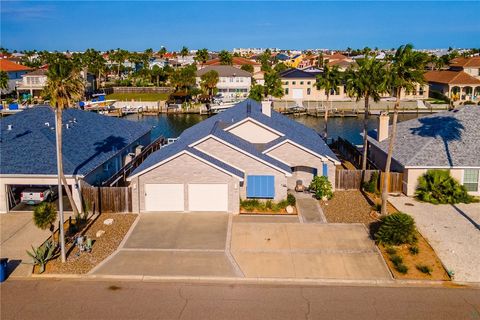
(208, 197)
(164, 197)
(297, 93)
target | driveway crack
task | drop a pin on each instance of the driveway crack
(185, 305)
(307, 314)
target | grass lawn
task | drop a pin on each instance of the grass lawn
(138, 96)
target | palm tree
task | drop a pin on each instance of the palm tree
(162, 52)
(202, 56)
(225, 57)
(3, 81)
(209, 82)
(329, 80)
(405, 72)
(64, 86)
(367, 81)
(184, 52)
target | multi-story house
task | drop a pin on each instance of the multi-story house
(233, 83)
(33, 82)
(14, 71)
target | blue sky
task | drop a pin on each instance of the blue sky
(137, 25)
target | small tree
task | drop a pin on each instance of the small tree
(247, 67)
(256, 92)
(44, 216)
(322, 187)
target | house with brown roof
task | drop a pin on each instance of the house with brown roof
(14, 71)
(456, 85)
(237, 62)
(469, 65)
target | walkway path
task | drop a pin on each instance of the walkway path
(309, 209)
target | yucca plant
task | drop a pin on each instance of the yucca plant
(439, 187)
(44, 216)
(396, 229)
(42, 254)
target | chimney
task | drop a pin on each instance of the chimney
(267, 108)
(383, 122)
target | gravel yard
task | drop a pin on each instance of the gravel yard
(102, 247)
(348, 207)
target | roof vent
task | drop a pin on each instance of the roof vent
(9, 127)
(75, 120)
(67, 126)
(47, 124)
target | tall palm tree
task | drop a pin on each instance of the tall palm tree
(225, 57)
(209, 82)
(329, 80)
(3, 81)
(64, 86)
(184, 52)
(405, 72)
(202, 56)
(367, 81)
(162, 52)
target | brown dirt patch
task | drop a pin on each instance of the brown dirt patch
(426, 256)
(82, 262)
(348, 207)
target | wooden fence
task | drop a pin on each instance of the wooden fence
(351, 153)
(352, 180)
(106, 199)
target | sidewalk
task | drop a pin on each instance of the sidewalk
(309, 209)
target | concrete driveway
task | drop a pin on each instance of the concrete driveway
(452, 230)
(174, 244)
(297, 250)
(18, 234)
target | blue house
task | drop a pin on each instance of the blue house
(94, 148)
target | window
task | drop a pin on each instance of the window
(286, 91)
(286, 82)
(308, 91)
(308, 82)
(470, 179)
(294, 82)
(260, 187)
(301, 82)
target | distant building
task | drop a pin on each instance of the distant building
(237, 62)
(15, 72)
(33, 82)
(233, 83)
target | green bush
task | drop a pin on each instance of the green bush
(391, 250)
(371, 185)
(413, 250)
(322, 187)
(44, 216)
(291, 199)
(401, 268)
(396, 260)
(438, 187)
(396, 229)
(257, 205)
(423, 268)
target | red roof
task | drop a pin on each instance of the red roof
(9, 66)
(235, 61)
(465, 62)
(450, 77)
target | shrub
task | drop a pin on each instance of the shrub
(438, 187)
(258, 205)
(424, 269)
(396, 229)
(401, 268)
(396, 260)
(42, 254)
(292, 201)
(371, 185)
(413, 250)
(391, 250)
(44, 216)
(322, 187)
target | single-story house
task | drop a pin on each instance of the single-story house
(447, 140)
(247, 151)
(95, 147)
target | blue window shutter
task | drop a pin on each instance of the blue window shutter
(260, 187)
(325, 170)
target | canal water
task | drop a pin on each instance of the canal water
(350, 128)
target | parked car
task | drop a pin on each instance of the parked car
(36, 195)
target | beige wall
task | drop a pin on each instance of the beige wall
(297, 157)
(410, 179)
(247, 164)
(4, 181)
(253, 133)
(309, 83)
(184, 169)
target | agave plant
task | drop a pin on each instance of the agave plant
(396, 229)
(43, 254)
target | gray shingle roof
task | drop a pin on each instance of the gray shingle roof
(90, 140)
(248, 108)
(447, 139)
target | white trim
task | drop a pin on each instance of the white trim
(251, 155)
(323, 158)
(176, 155)
(193, 144)
(438, 167)
(257, 123)
(37, 176)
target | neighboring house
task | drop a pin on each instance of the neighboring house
(95, 147)
(245, 152)
(33, 82)
(237, 62)
(447, 140)
(294, 61)
(15, 72)
(233, 83)
(300, 85)
(470, 66)
(456, 85)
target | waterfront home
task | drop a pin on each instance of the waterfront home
(14, 71)
(469, 65)
(237, 62)
(33, 82)
(233, 83)
(248, 151)
(458, 86)
(447, 140)
(95, 147)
